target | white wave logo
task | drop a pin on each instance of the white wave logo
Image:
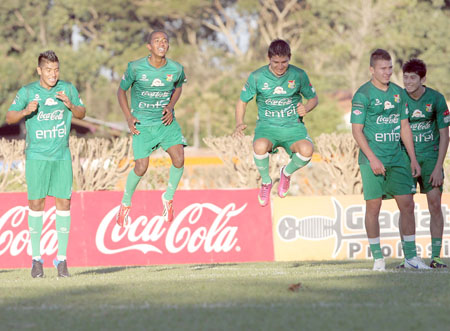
(181, 235)
(16, 242)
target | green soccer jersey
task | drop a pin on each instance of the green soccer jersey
(380, 112)
(426, 116)
(48, 127)
(151, 88)
(277, 97)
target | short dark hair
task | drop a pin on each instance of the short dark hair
(47, 56)
(416, 66)
(151, 34)
(279, 47)
(379, 54)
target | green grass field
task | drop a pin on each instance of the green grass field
(333, 295)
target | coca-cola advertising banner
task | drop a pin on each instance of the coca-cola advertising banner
(210, 226)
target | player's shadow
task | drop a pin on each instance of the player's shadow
(109, 270)
(329, 263)
(2, 271)
(212, 266)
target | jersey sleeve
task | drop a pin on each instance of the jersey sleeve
(404, 110)
(306, 88)
(359, 108)
(75, 96)
(442, 113)
(21, 101)
(249, 90)
(182, 80)
(128, 78)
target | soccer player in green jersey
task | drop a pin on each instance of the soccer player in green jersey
(156, 85)
(47, 106)
(429, 119)
(378, 124)
(278, 87)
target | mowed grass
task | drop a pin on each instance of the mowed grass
(332, 295)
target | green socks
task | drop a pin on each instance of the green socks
(262, 163)
(174, 179)
(35, 224)
(375, 248)
(297, 161)
(130, 187)
(409, 247)
(62, 223)
(436, 244)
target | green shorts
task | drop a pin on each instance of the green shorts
(427, 165)
(155, 136)
(53, 178)
(282, 136)
(398, 181)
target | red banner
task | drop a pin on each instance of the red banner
(210, 226)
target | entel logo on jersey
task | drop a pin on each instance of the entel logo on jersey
(157, 82)
(50, 102)
(388, 105)
(56, 132)
(417, 113)
(279, 90)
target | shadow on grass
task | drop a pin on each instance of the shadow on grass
(211, 266)
(327, 263)
(5, 270)
(109, 270)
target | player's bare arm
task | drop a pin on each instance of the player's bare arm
(303, 109)
(407, 139)
(375, 164)
(241, 106)
(123, 102)
(13, 117)
(77, 111)
(437, 178)
(167, 112)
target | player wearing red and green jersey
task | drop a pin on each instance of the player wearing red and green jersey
(279, 89)
(429, 120)
(156, 85)
(47, 107)
(377, 126)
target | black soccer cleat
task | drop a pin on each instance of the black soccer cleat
(61, 266)
(37, 269)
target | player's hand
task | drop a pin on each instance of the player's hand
(239, 130)
(301, 109)
(132, 125)
(415, 169)
(64, 98)
(167, 117)
(31, 107)
(377, 167)
(437, 177)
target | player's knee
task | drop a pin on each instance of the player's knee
(140, 168)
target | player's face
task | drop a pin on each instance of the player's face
(279, 64)
(412, 82)
(382, 71)
(49, 74)
(159, 45)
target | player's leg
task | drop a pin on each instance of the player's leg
(62, 224)
(176, 154)
(261, 148)
(436, 226)
(302, 151)
(37, 175)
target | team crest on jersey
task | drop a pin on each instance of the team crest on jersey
(446, 116)
(428, 108)
(144, 78)
(265, 87)
(291, 83)
(50, 102)
(169, 78)
(397, 98)
(357, 112)
(312, 88)
(417, 113)
(279, 90)
(157, 82)
(244, 89)
(388, 105)
(406, 109)
(378, 102)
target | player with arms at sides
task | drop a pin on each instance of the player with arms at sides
(156, 85)
(429, 119)
(47, 106)
(278, 87)
(378, 124)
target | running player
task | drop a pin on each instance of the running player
(278, 87)
(156, 85)
(378, 124)
(429, 119)
(47, 106)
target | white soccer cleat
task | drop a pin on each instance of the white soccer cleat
(379, 265)
(416, 263)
